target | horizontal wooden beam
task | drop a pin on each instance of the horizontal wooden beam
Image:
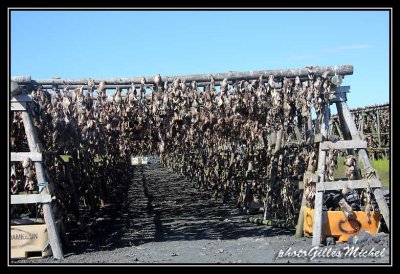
(352, 184)
(127, 86)
(21, 156)
(30, 199)
(21, 79)
(231, 75)
(29, 221)
(18, 106)
(376, 134)
(21, 98)
(349, 144)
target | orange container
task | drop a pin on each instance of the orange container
(336, 225)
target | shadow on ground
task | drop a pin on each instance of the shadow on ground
(159, 205)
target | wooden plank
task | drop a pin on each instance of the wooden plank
(338, 129)
(319, 195)
(30, 199)
(349, 126)
(342, 89)
(21, 98)
(350, 144)
(352, 184)
(52, 231)
(333, 98)
(339, 94)
(18, 106)
(29, 221)
(21, 156)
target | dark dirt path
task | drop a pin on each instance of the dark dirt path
(165, 220)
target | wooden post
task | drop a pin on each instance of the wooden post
(34, 146)
(319, 195)
(350, 125)
(300, 220)
(338, 129)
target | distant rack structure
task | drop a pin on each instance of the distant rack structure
(373, 123)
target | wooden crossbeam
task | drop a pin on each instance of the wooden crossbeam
(350, 144)
(342, 89)
(18, 106)
(352, 184)
(231, 75)
(21, 98)
(30, 199)
(339, 95)
(21, 156)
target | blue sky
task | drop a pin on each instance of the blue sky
(104, 44)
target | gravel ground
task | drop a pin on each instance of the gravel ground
(164, 220)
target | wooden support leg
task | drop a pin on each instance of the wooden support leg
(349, 125)
(300, 220)
(319, 195)
(52, 231)
(34, 146)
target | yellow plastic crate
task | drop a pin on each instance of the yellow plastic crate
(336, 225)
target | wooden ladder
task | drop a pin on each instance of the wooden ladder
(352, 141)
(19, 103)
